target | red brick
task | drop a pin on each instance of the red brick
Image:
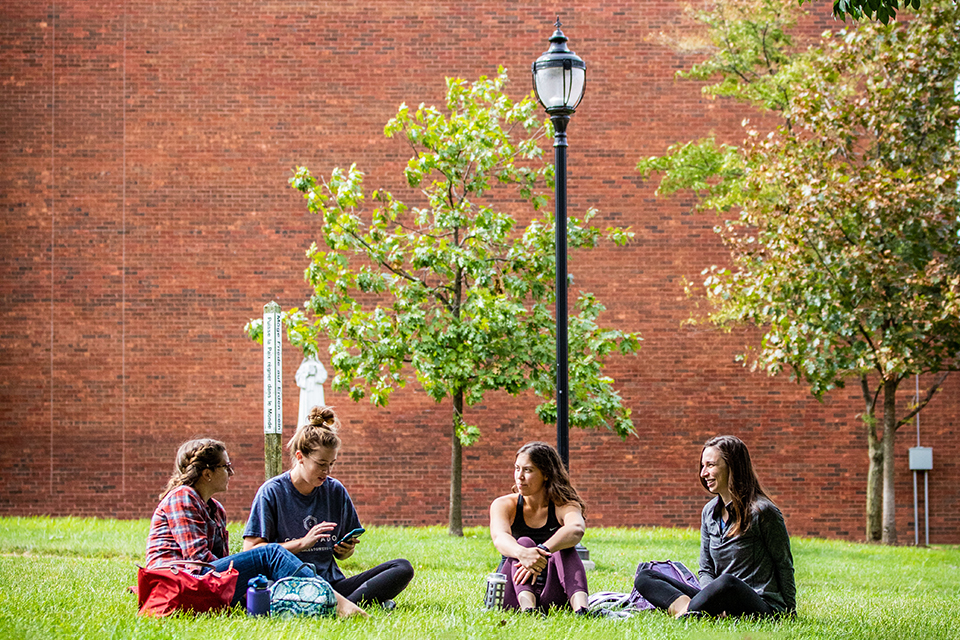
(147, 148)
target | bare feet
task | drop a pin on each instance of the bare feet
(346, 609)
(578, 601)
(526, 600)
(679, 606)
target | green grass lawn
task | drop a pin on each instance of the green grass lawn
(66, 578)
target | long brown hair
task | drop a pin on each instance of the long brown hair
(556, 480)
(193, 457)
(745, 488)
(320, 430)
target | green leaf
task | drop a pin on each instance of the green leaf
(452, 290)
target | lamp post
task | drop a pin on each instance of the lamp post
(559, 76)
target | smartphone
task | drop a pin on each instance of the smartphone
(352, 534)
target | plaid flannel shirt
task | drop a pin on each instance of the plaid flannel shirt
(186, 528)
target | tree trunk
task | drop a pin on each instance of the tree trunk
(456, 468)
(889, 460)
(455, 528)
(874, 514)
(874, 487)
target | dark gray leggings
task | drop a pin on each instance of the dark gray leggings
(727, 594)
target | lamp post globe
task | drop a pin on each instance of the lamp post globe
(559, 79)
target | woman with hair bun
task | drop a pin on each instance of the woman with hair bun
(189, 524)
(308, 512)
(536, 529)
(746, 567)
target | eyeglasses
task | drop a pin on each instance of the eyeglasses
(228, 467)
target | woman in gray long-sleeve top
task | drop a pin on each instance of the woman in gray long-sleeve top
(746, 567)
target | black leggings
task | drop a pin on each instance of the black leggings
(376, 585)
(727, 594)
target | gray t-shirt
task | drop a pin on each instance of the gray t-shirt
(281, 513)
(761, 557)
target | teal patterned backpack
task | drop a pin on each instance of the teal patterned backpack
(297, 596)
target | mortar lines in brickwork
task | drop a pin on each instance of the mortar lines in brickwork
(53, 205)
(123, 263)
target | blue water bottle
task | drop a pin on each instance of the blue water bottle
(258, 597)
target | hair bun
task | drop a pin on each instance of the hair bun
(318, 430)
(323, 417)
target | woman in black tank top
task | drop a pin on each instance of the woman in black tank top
(540, 535)
(536, 529)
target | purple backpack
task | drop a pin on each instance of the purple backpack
(628, 603)
(670, 568)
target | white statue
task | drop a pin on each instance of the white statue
(310, 378)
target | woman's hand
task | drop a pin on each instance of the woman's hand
(522, 576)
(532, 562)
(314, 534)
(344, 549)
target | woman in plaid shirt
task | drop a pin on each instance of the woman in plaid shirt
(189, 524)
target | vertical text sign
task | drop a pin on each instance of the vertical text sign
(272, 371)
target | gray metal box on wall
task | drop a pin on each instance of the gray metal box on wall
(921, 458)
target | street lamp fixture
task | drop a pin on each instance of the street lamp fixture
(559, 78)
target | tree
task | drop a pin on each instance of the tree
(451, 289)
(882, 10)
(845, 243)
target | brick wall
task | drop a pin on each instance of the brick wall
(146, 217)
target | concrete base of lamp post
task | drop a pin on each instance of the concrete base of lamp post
(584, 554)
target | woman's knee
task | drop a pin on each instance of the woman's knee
(276, 550)
(279, 556)
(725, 581)
(524, 541)
(719, 592)
(404, 570)
(644, 576)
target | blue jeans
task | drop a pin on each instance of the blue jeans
(270, 560)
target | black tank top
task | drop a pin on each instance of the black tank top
(519, 527)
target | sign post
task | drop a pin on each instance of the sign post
(272, 391)
(921, 459)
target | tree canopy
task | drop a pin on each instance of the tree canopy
(882, 10)
(842, 223)
(454, 289)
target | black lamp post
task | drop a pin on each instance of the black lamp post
(559, 76)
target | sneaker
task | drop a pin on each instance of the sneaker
(388, 605)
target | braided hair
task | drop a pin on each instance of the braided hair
(319, 431)
(193, 457)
